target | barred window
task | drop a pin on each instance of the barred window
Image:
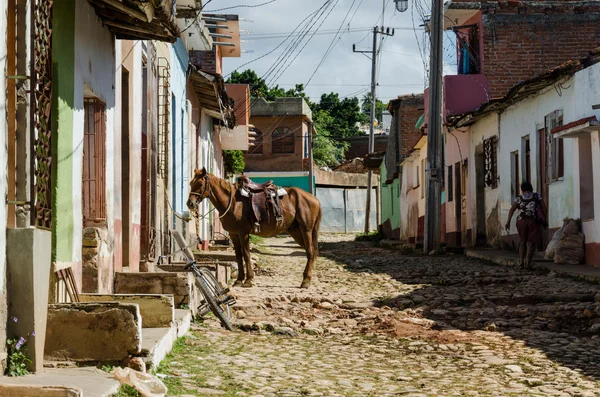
(283, 140)
(555, 158)
(94, 160)
(490, 151)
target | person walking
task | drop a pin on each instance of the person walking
(532, 217)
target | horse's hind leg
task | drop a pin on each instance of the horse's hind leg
(245, 242)
(305, 239)
(237, 245)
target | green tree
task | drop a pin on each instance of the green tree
(345, 114)
(233, 161)
(326, 151)
(333, 116)
(380, 107)
(260, 89)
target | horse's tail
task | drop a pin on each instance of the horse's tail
(315, 231)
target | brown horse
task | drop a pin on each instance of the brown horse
(301, 219)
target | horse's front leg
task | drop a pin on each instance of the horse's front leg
(245, 241)
(237, 245)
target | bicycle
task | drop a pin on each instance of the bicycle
(216, 298)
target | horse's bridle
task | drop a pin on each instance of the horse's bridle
(206, 189)
(206, 193)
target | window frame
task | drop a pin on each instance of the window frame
(284, 139)
(554, 148)
(490, 155)
(94, 202)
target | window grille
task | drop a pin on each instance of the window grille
(490, 151)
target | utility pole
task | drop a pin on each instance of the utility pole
(433, 211)
(384, 32)
(311, 171)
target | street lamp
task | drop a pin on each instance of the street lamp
(401, 5)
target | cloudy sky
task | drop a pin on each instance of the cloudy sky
(266, 27)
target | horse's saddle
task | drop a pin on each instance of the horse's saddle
(261, 197)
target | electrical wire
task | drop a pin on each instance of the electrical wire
(196, 17)
(278, 46)
(305, 44)
(331, 45)
(243, 6)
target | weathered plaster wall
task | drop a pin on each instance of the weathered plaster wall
(94, 76)
(85, 56)
(524, 119)
(178, 178)
(577, 95)
(412, 205)
(390, 205)
(457, 149)
(3, 191)
(131, 54)
(483, 129)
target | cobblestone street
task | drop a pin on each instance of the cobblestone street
(376, 322)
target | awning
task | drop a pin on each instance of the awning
(577, 128)
(210, 90)
(420, 122)
(138, 19)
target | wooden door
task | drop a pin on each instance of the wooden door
(458, 202)
(543, 180)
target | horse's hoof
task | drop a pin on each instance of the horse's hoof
(305, 283)
(238, 283)
(247, 284)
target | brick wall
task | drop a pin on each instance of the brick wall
(521, 42)
(205, 60)
(359, 147)
(269, 161)
(410, 110)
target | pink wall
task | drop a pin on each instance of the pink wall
(240, 93)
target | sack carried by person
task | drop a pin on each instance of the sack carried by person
(540, 218)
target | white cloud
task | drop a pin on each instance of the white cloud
(345, 72)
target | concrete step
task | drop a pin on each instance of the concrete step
(67, 382)
(91, 381)
(158, 342)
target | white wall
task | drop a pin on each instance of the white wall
(484, 128)
(524, 119)
(575, 97)
(94, 71)
(177, 145)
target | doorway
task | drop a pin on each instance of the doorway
(481, 238)
(543, 187)
(458, 203)
(125, 198)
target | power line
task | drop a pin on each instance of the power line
(331, 45)
(278, 46)
(195, 17)
(243, 6)
(305, 44)
(282, 60)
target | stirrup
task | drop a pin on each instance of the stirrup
(256, 228)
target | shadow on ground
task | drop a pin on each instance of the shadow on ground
(558, 316)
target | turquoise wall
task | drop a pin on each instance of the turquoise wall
(390, 200)
(301, 182)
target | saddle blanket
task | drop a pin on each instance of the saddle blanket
(280, 193)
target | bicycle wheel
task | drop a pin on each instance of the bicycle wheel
(216, 289)
(212, 301)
